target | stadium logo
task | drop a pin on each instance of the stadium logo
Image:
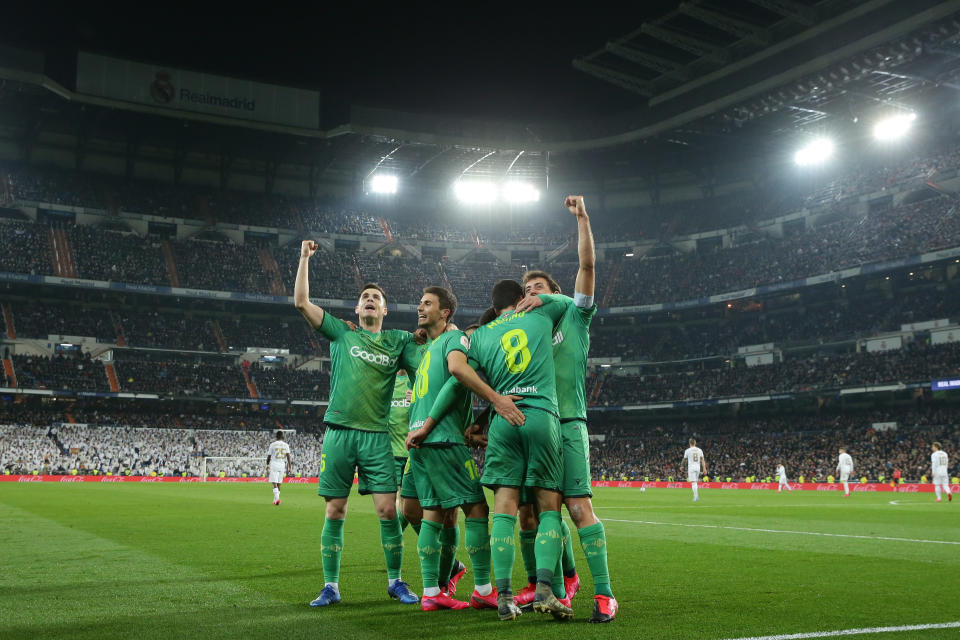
(111, 479)
(758, 486)
(162, 89)
(149, 479)
(828, 487)
(674, 485)
(373, 358)
(729, 485)
(72, 479)
(908, 488)
(29, 479)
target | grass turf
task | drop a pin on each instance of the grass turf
(219, 561)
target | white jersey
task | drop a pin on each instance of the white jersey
(693, 456)
(938, 463)
(781, 473)
(279, 452)
(845, 463)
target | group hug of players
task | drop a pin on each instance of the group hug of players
(531, 349)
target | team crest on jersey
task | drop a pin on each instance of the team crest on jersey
(465, 342)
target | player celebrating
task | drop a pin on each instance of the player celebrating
(398, 423)
(515, 353)
(782, 478)
(278, 457)
(844, 469)
(693, 456)
(364, 364)
(938, 469)
(443, 470)
(571, 344)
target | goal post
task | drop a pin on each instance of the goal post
(225, 459)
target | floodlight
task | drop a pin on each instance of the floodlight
(475, 191)
(628, 255)
(816, 152)
(894, 127)
(383, 183)
(520, 192)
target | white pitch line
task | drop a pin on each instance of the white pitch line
(801, 533)
(854, 632)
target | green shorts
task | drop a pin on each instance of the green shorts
(348, 450)
(576, 462)
(527, 456)
(408, 489)
(400, 464)
(445, 477)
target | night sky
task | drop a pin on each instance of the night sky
(495, 61)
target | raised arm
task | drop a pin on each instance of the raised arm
(301, 287)
(586, 278)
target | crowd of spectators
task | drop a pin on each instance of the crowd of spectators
(39, 320)
(26, 248)
(290, 383)
(913, 363)
(61, 372)
(807, 446)
(175, 377)
(119, 257)
(128, 450)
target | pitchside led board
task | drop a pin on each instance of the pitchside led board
(170, 88)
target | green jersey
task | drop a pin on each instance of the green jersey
(515, 353)
(571, 342)
(432, 374)
(399, 418)
(362, 372)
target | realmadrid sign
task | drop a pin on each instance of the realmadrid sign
(162, 89)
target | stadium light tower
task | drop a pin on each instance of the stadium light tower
(475, 191)
(817, 152)
(383, 183)
(894, 127)
(519, 192)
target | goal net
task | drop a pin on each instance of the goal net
(232, 467)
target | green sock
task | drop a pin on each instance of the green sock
(331, 546)
(503, 550)
(428, 548)
(391, 538)
(404, 523)
(593, 539)
(568, 566)
(449, 539)
(527, 552)
(477, 542)
(549, 545)
(556, 583)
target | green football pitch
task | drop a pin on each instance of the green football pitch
(220, 561)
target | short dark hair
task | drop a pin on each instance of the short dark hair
(488, 316)
(279, 434)
(506, 293)
(530, 275)
(373, 285)
(446, 298)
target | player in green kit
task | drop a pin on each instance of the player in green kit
(364, 364)
(514, 352)
(442, 467)
(398, 423)
(571, 343)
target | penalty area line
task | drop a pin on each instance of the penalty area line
(799, 533)
(854, 632)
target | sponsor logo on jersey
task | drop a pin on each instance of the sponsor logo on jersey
(399, 403)
(416, 425)
(519, 390)
(372, 358)
(557, 338)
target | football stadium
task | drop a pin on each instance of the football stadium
(500, 322)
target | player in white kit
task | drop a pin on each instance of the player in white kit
(782, 477)
(278, 457)
(693, 456)
(844, 469)
(940, 473)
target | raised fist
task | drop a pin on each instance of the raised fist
(575, 205)
(307, 248)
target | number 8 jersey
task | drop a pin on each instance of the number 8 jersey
(515, 351)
